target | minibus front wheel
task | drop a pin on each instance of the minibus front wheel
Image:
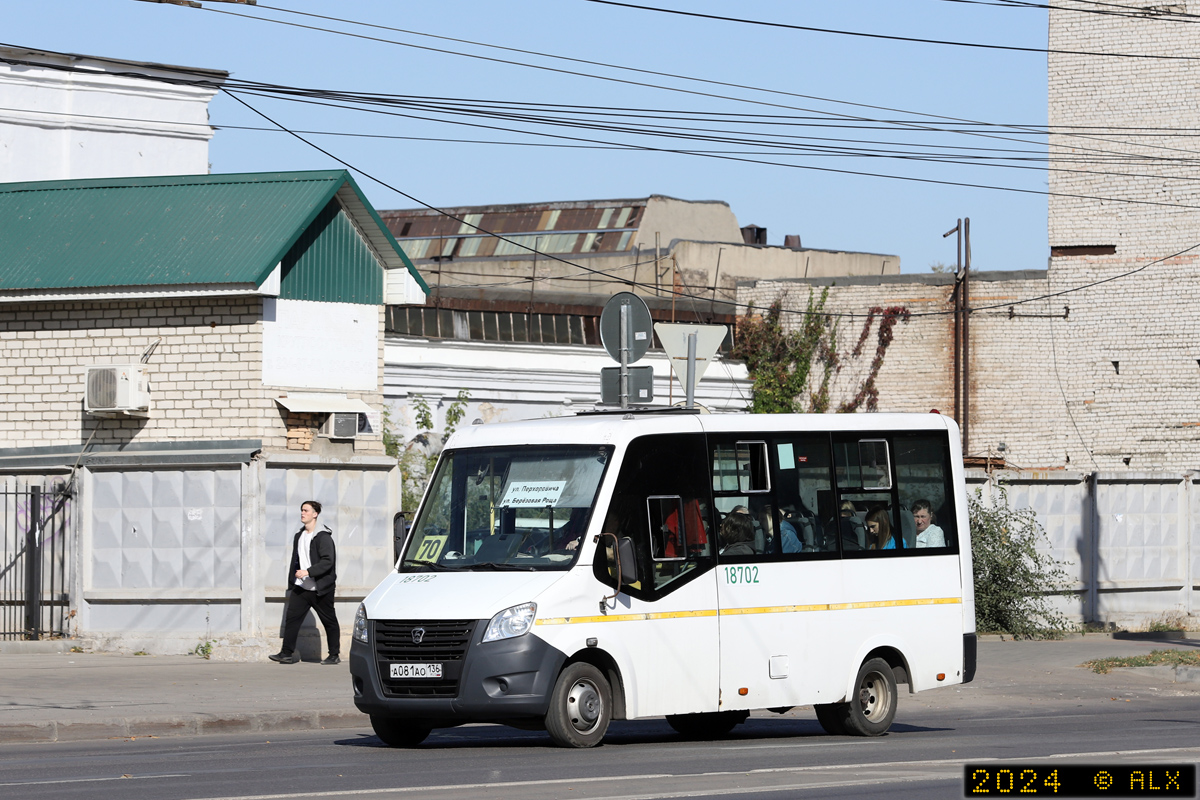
(580, 706)
(399, 732)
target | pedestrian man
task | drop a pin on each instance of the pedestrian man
(311, 575)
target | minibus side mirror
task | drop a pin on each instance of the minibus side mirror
(628, 561)
(399, 531)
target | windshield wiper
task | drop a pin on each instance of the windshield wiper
(491, 565)
(431, 564)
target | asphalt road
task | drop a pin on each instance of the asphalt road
(766, 757)
(1030, 702)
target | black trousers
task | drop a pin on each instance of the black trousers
(297, 609)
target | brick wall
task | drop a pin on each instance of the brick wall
(1014, 388)
(205, 372)
(1135, 145)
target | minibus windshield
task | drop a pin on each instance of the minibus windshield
(506, 508)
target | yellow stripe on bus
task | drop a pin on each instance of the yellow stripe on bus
(626, 617)
(730, 612)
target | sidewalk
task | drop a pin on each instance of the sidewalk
(63, 696)
(70, 696)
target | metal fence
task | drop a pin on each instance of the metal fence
(1131, 541)
(34, 559)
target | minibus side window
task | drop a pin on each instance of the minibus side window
(741, 467)
(805, 515)
(659, 504)
(433, 532)
(926, 493)
(868, 519)
(667, 539)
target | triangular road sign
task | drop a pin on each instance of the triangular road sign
(674, 338)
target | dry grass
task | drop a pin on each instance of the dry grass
(1156, 658)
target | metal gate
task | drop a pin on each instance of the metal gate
(34, 533)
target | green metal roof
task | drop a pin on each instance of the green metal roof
(188, 230)
(331, 263)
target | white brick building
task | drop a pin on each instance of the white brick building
(254, 306)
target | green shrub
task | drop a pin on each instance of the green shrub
(1014, 581)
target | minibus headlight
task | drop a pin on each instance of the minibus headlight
(360, 623)
(510, 622)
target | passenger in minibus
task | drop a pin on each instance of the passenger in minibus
(879, 532)
(789, 537)
(760, 537)
(737, 535)
(928, 534)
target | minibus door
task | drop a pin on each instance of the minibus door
(668, 615)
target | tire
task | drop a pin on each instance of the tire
(830, 715)
(873, 706)
(399, 732)
(712, 725)
(580, 707)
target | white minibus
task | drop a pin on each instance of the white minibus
(563, 573)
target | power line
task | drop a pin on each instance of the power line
(234, 94)
(913, 125)
(1108, 9)
(681, 294)
(306, 95)
(615, 66)
(809, 167)
(891, 37)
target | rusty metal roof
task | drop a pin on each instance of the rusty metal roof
(172, 231)
(588, 226)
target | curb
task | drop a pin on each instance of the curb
(180, 725)
(1174, 674)
(1163, 636)
(38, 647)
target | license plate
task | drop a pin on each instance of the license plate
(416, 670)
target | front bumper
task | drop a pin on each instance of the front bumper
(499, 681)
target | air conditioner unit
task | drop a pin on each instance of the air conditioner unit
(116, 389)
(341, 425)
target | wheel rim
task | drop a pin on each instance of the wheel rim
(584, 706)
(874, 700)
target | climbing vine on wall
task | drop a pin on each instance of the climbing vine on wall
(868, 395)
(792, 369)
(780, 361)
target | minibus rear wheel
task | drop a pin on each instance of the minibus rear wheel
(872, 707)
(580, 706)
(399, 732)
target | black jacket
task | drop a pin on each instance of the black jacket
(322, 555)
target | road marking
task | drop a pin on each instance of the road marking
(796, 746)
(98, 780)
(894, 771)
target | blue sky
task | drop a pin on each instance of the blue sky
(828, 210)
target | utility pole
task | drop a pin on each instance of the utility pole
(966, 335)
(961, 330)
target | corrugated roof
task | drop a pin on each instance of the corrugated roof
(170, 231)
(568, 228)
